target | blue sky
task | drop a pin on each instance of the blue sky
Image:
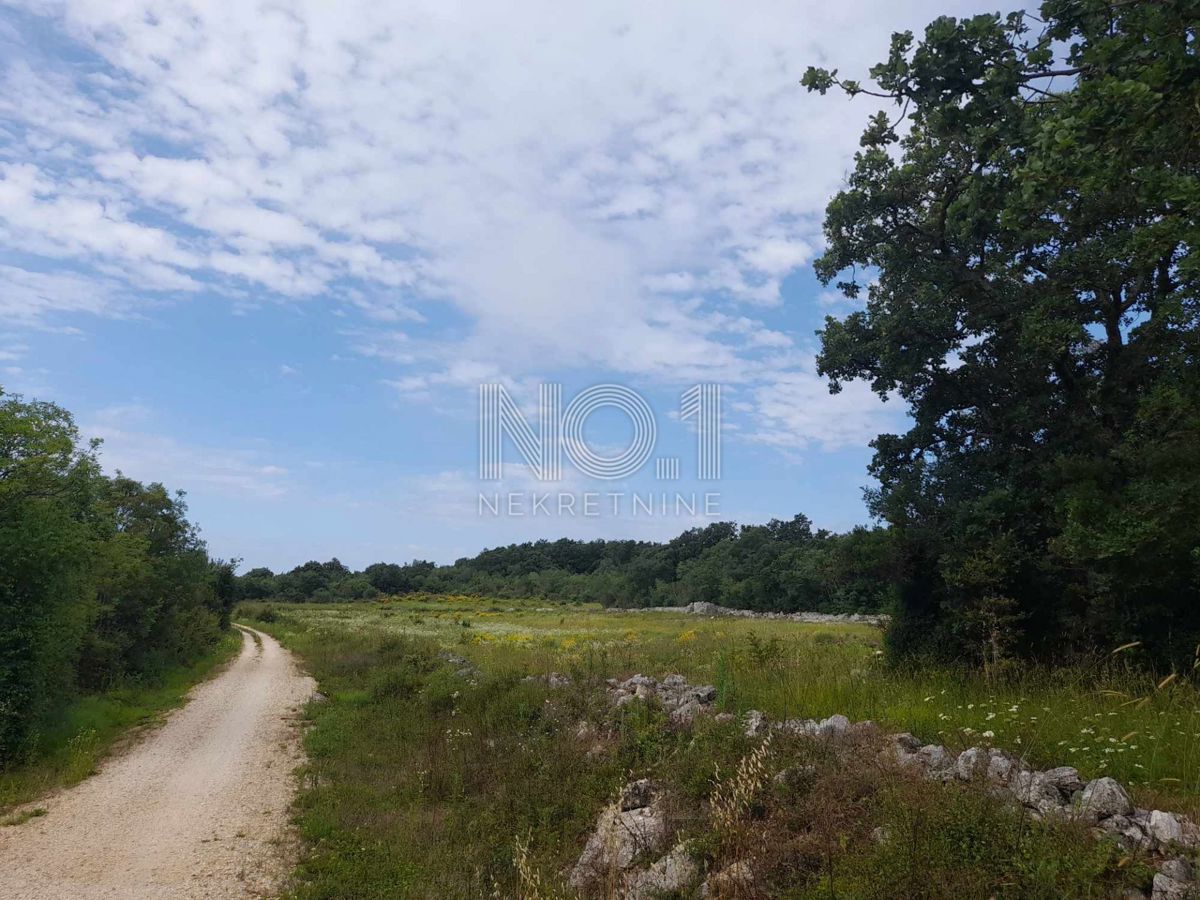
(269, 256)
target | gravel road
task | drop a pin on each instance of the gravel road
(198, 808)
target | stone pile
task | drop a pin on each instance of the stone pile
(1058, 792)
(632, 834)
(682, 701)
(712, 610)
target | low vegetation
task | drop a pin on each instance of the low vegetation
(425, 775)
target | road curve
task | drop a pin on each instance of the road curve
(199, 808)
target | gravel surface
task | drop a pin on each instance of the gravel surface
(199, 808)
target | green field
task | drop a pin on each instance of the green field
(424, 783)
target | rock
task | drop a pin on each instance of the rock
(636, 795)
(558, 680)
(1178, 869)
(881, 835)
(724, 718)
(672, 874)
(584, 730)
(967, 766)
(937, 761)
(1034, 790)
(1065, 779)
(704, 608)
(621, 837)
(674, 682)
(1102, 798)
(833, 725)
(1001, 766)
(906, 741)
(799, 726)
(463, 667)
(686, 714)
(1166, 888)
(734, 880)
(633, 683)
(644, 692)
(756, 723)
(703, 694)
(1165, 827)
(624, 700)
(1129, 832)
(318, 697)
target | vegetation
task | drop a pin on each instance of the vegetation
(103, 581)
(780, 566)
(423, 782)
(77, 737)
(1025, 235)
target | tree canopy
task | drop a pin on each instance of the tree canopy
(101, 578)
(1020, 234)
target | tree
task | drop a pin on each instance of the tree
(1025, 246)
(46, 484)
(100, 578)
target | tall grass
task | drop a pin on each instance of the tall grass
(425, 783)
(1105, 716)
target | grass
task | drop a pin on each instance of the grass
(424, 784)
(71, 746)
(1106, 717)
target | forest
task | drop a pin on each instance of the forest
(777, 567)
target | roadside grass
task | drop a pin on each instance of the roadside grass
(70, 746)
(422, 783)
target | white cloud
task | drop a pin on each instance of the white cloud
(148, 456)
(568, 181)
(796, 411)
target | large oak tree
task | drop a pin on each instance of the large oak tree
(1021, 228)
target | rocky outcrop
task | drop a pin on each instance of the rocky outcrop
(632, 833)
(682, 701)
(629, 832)
(672, 874)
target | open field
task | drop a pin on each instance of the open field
(423, 782)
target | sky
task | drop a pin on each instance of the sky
(269, 252)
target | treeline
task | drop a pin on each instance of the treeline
(780, 566)
(101, 578)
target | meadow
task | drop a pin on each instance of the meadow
(424, 783)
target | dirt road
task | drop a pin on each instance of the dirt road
(199, 808)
